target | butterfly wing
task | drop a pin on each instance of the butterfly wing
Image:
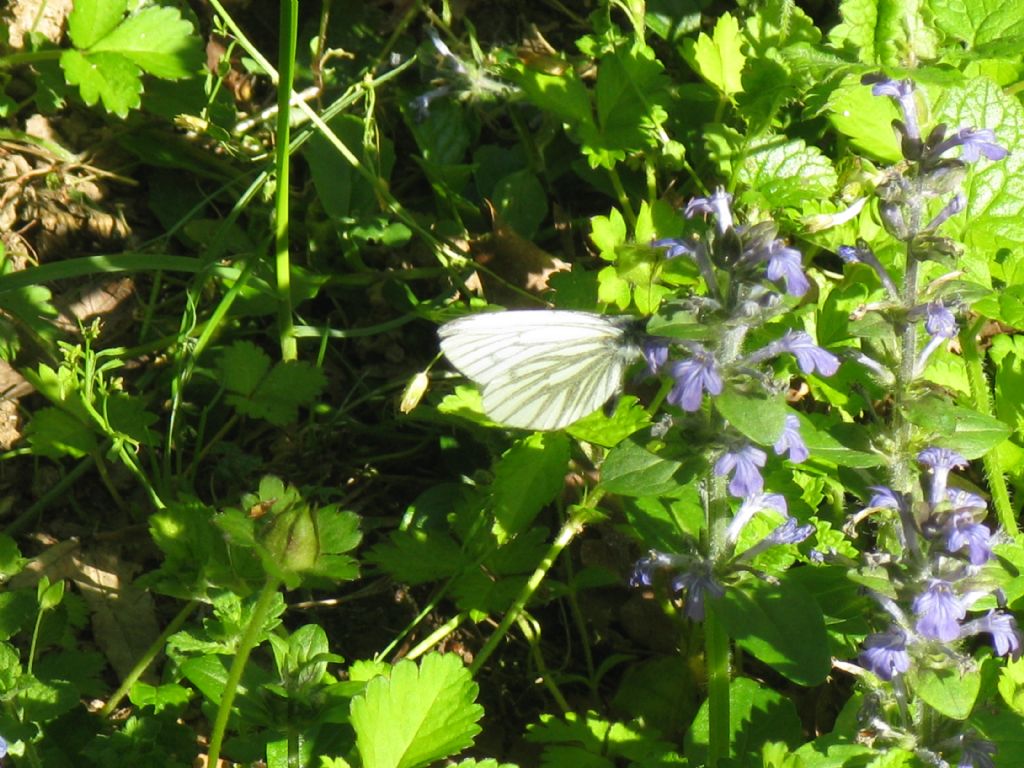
(540, 369)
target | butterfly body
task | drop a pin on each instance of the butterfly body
(541, 369)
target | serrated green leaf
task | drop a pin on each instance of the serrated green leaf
(104, 76)
(288, 386)
(418, 556)
(980, 22)
(55, 434)
(787, 173)
(994, 217)
(885, 32)
(160, 697)
(719, 59)
(157, 40)
(608, 431)
(416, 715)
(526, 478)
(91, 20)
(563, 95)
(243, 366)
(949, 691)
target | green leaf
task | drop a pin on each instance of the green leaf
(55, 434)
(274, 396)
(966, 431)
(719, 59)
(11, 561)
(781, 624)
(885, 32)
(866, 119)
(786, 173)
(158, 41)
(416, 715)
(994, 217)
(91, 20)
(418, 556)
(757, 714)
(608, 233)
(526, 478)
(758, 417)
(243, 366)
(563, 95)
(168, 696)
(608, 431)
(106, 76)
(521, 202)
(1011, 685)
(980, 22)
(632, 470)
(949, 691)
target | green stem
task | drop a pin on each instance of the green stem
(983, 404)
(28, 57)
(530, 628)
(623, 198)
(572, 526)
(436, 636)
(147, 658)
(59, 491)
(264, 603)
(716, 656)
(286, 66)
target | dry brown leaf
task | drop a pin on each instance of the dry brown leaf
(124, 623)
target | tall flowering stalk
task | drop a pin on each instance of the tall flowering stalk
(752, 278)
(931, 572)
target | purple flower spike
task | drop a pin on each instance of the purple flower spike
(885, 654)
(693, 378)
(809, 356)
(744, 465)
(790, 532)
(646, 567)
(903, 92)
(962, 530)
(791, 441)
(785, 263)
(718, 205)
(939, 612)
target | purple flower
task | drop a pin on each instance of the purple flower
(962, 530)
(646, 567)
(744, 465)
(694, 377)
(809, 356)
(939, 321)
(903, 93)
(975, 142)
(791, 441)
(976, 753)
(940, 461)
(675, 247)
(751, 505)
(717, 205)
(421, 104)
(785, 263)
(656, 354)
(939, 611)
(885, 654)
(884, 497)
(698, 584)
(1002, 626)
(790, 532)
(862, 254)
(953, 207)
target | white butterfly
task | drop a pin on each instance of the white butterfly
(541, 369)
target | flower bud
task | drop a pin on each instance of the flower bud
(292, 540)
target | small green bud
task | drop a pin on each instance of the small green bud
(292, 539)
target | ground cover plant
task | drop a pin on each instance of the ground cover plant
(537, 384)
